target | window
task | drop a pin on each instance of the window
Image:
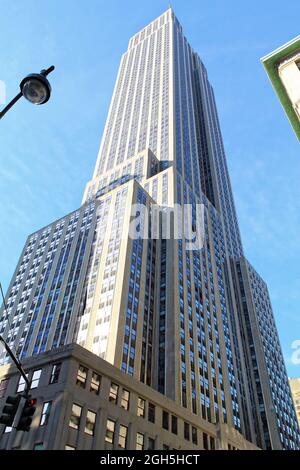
(35, 378)
(139, 441)
(7, 429)
(151, 443)
(212, 443)
(205, 441)
(22, 384)
(81, 376)
(68, 447)
(39, 446)
(187, 431)
(123, 436)
(125, 399)
(113, 393)
(110, 431)
(45, 413)
(165, 420)
(75, 416)
(55, 373)
(90, 423)
(151, 413)
(174, 425)
(141, 407)
(194, 435)
(3, 387)
(95, 383)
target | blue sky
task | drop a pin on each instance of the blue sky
(47, 153)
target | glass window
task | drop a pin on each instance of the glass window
(3, 387)
(22, 384)
(55, 373)
(151, 443)
(139, 441)
(113, 393)
(95, 383)
(45, 413)
(35, 378)
(81, 376)
(212, 443)
(187, 431)
(151, 413)
(174, 425)
(39, 446)
(75, 416)
(194, 435)
(205, 441)
(125, 399)
(141, 407)
(110, 431)
(68, 447)
(165, 420)
(90, 423)
(123, 436)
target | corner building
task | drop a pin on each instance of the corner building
(170, 317)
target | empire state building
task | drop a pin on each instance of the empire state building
(193, 324)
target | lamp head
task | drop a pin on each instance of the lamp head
(36, 88)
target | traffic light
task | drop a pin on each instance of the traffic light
(27, 414)
(9, 410)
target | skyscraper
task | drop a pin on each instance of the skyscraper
(194, 323)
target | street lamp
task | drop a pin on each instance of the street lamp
(35, 88)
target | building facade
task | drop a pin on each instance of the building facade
(283, 69)
(295, 387)
(167, 309)
(83, 402)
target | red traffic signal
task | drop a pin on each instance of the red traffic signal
(31, 402)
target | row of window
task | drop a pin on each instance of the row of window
(34, 379)
(117, 436)
(190, 432)
(116, 393)
(81, 380)
(75, 419)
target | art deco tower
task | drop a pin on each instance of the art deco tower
(195, 324)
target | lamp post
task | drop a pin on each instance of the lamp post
(35, 88)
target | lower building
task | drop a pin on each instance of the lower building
(295, 388)
(283, 69)
(85, 403)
